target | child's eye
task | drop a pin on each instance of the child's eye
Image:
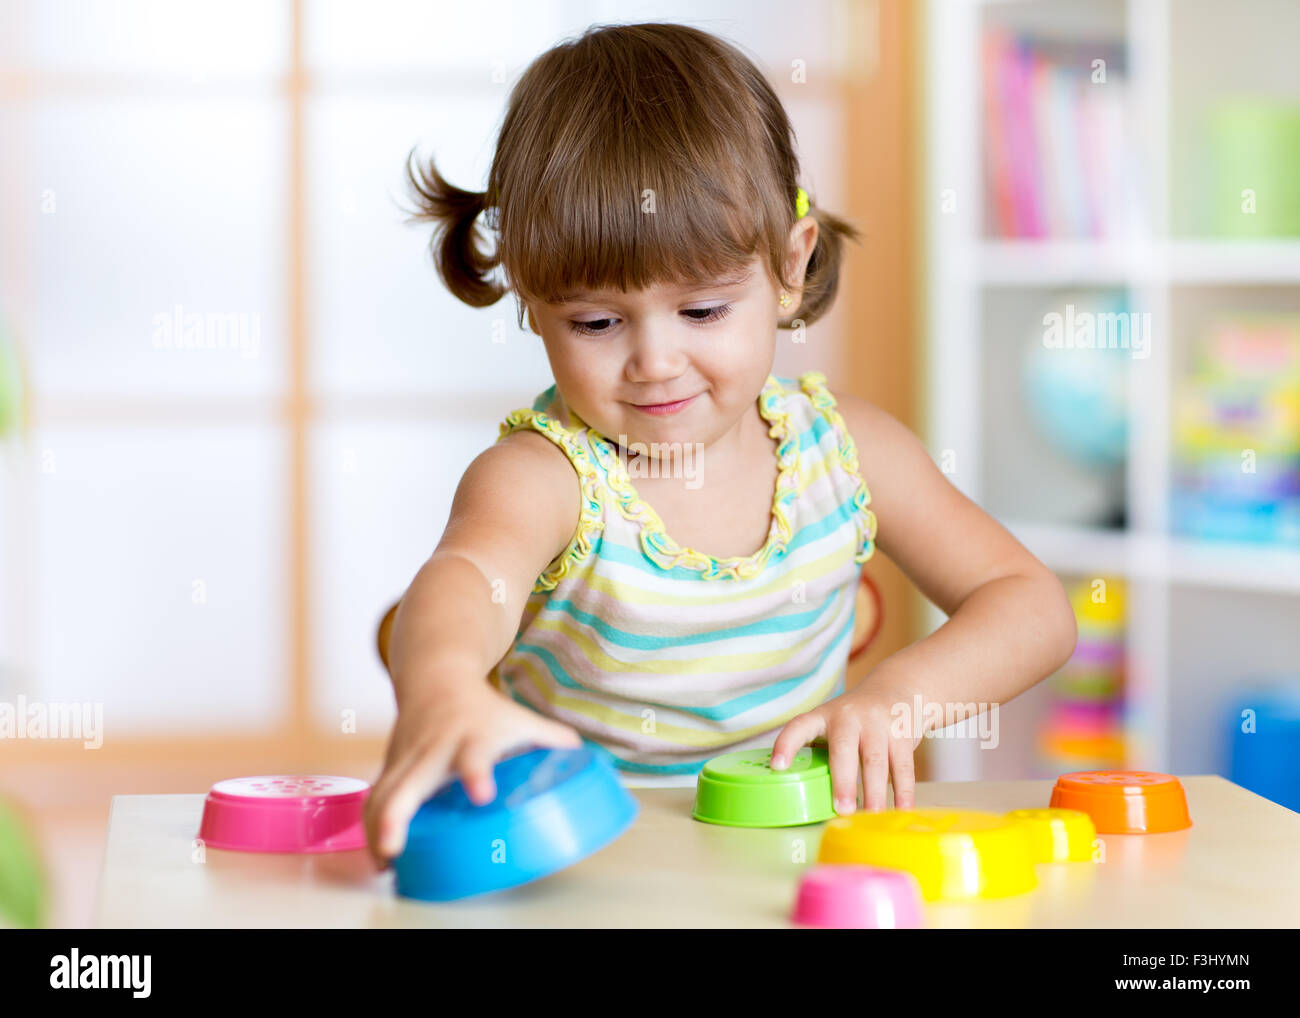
(600, 326)
(595, 327)
(707, 314)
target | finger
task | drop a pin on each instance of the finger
(370, 824)
(537, 733)
(902, 774)
(843, 742)
(875, 768)
(558, 735)
(372, 817)
(408, 788)
(794, 736)
(474, 764)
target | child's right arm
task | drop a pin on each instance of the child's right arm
(515, 509)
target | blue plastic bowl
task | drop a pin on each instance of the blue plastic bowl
(1267, 759)
(552, 808)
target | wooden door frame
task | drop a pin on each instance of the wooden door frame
(881, 355)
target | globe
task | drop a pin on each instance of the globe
(1078, 395)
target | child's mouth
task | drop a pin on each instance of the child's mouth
(662, 409)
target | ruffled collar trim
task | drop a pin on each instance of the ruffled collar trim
(659, 546)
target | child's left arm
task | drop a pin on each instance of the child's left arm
(1010, 623)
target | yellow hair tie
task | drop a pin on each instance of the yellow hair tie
(801, 203)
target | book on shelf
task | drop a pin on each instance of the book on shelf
(1058, 160)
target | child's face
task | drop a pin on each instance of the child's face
(712, 343)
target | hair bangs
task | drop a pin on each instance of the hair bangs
(628, 230)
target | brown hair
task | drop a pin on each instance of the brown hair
(603, 130)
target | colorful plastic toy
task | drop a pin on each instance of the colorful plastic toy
(741, 790)
(552, 809)
(1125, 802)
(1058, 835)
(1236, 438)
(955, 855)
(1264, 742)
(285, 813)
(858, 898)
(22, 874)
(1085, 724)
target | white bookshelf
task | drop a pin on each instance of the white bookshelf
(1190, 262)
(1170, 274)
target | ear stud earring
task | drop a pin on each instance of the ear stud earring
(785, 299)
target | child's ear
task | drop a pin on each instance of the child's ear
(532, 322)
(803, 240)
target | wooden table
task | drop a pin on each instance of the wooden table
(1238, 866)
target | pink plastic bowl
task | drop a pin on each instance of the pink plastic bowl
(285, 813)
(858, 898)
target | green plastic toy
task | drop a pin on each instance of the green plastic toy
(22, 877)
(741, 790)
(12, 407)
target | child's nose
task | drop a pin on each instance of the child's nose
(654, 357)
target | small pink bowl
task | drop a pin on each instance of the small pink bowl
(285, 813)
(847, 897)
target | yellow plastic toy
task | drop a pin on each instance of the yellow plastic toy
(1058, 835)
(955, 855)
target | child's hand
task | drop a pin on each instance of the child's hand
(856, 728)
(444, 735)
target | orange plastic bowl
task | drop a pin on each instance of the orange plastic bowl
(1125, 802)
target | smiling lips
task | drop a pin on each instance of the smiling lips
(663, 409)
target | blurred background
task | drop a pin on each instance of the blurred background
(235, 400)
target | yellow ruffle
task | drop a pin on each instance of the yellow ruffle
(590, 518)
(667, 553)
(813, 383)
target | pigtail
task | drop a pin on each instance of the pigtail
(822, 277)
(461, 263)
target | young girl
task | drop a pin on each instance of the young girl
(660, 557)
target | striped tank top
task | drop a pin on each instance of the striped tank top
(664, 656)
